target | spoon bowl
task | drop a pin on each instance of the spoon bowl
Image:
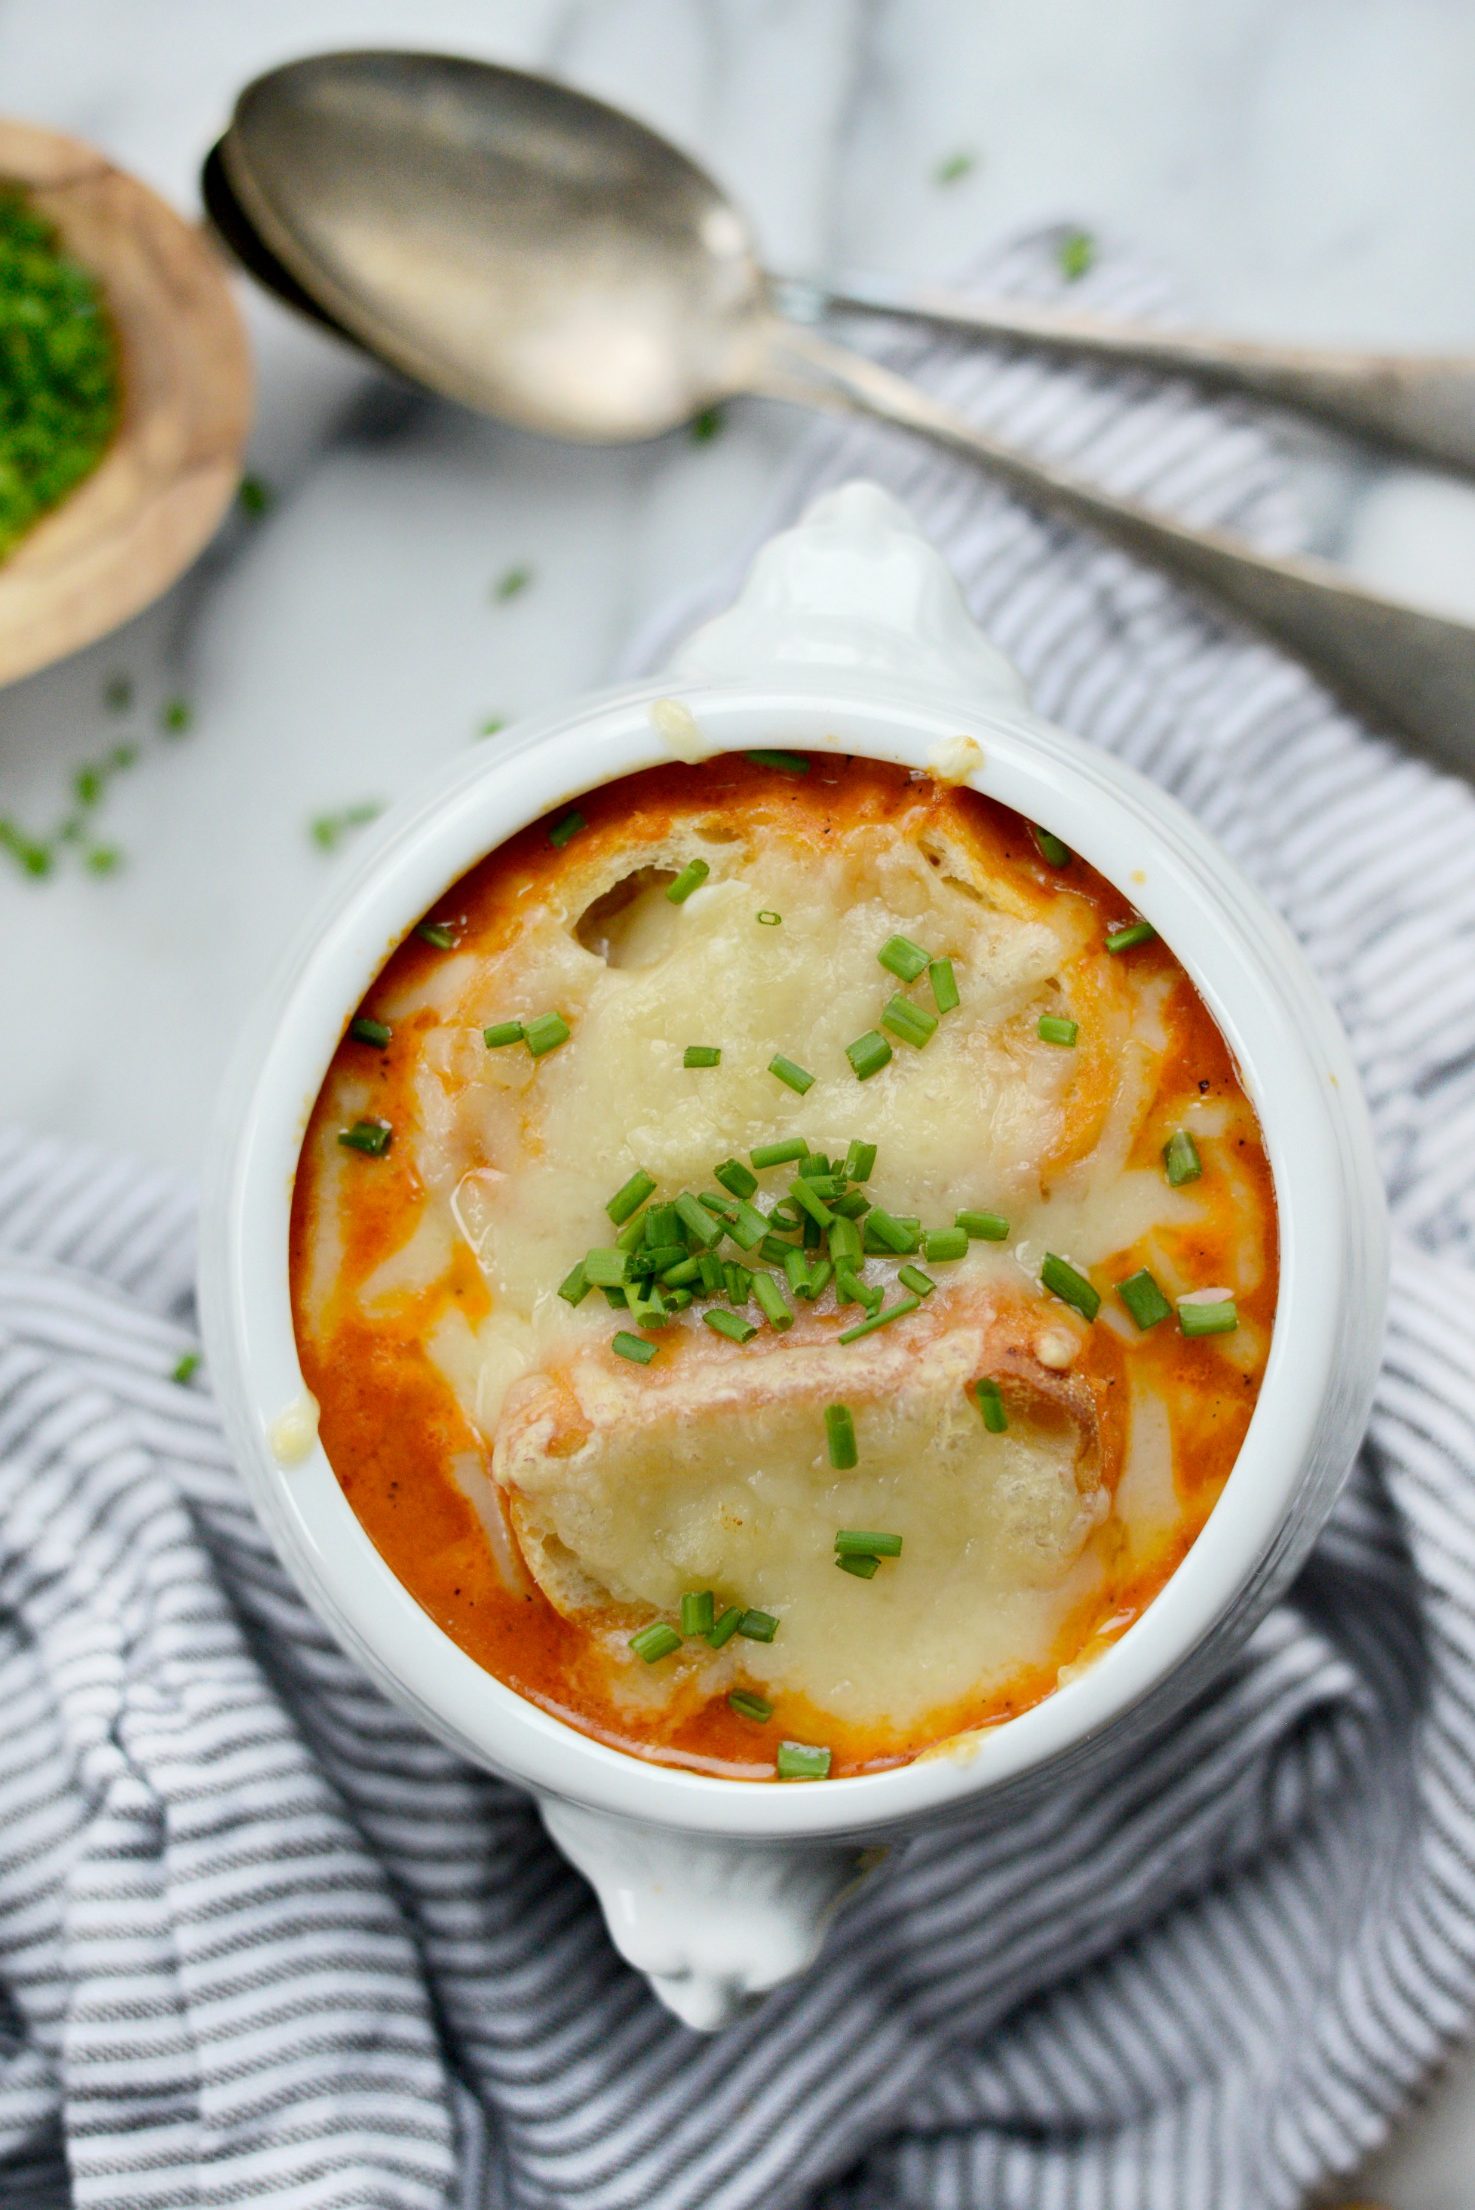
(513, 244)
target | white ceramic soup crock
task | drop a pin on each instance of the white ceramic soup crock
(850, 637)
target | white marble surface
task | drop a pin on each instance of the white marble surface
(1308, 166)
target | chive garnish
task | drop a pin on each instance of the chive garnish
(545, 1032)
(630, 1196)
(734, 1176)
(1071, 1288)
(851, 1290)
(633, 1347)
(821, 1274)
(913, 1278)
(802, 1761)
(1051, 849)
(177, 717)
(1143, 1299)
(701, 1055)
(758, 1626)
(989, 1227)
(365, 1031)
(844, 1242)
(439, 933)
(682, 1274)
(715, 1200)
(864, 1569)
(512, 582)
(902, 958)
(770, 1301)
(991, 1404)
(793, 1077)
(1053, 1030)
(736, 1330)
(840, 1437)
(662, 1225)
(605, 1267)
(713, 1280)
(1138, 932)
(944, 985)
(750, 1707)
(691, 878)
(787, 763)
(860, 1159)
(858, 1542)
(910, 1022)
(372, 1137)
(575, 1286)
(1217, 1318)
(882, 1319)
(1181, 1162)
(564, 831)
(892, 1234)
(804, 1197)
(779, 1154)
(737, 1281)
(726, 1626)
(697, 1612)
(868, 1054)
(503, 1032)
(769, 919)
(796, 1270)
(699, 1224)
(657, 1640)
(944, 1243)
(749, 1228)
(632, 1234)
(774, 1249)
(185, 1368)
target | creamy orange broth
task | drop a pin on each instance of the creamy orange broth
(544, 1500)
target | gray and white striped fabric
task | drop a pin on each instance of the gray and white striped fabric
(263, 1942)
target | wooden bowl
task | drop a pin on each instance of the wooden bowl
(155, 498)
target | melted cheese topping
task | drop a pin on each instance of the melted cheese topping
(546, 1499)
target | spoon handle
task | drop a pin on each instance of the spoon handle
(1423, 404)
(1412, 671)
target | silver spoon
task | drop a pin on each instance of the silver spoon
(540, 256)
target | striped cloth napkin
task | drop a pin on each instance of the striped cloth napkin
(261, 1941)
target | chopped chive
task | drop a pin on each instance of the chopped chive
(1053, 1030)
(1077, 254)
(892, 1234)
(633, 1347)
(503, 1032)
(648, 1308)
(875, 1320)
(812, 1164)
(615, 1298)
(796, 1271)
(954, 168)
(439, 933)
(1122, 940)
(632, 1234)
(1143, 1299)
(770, 1301)
(699, 1224)
(736, 1330)
(372, 1137)
(714, 1281)
(991, 1404)
(913, 1278)
(575, 1286)
(713, 1200)
(802, 1761)
(860, 1160)
(787, 763)
(1071, 1288)
(844, 1242)
(657, 1640)
(912, 1023)
(630, 1196)
(606, 1268)
(944, 1243)
(365, 1031)
(697, 1612)
(774, 1249)
(657, 1258)
(779, 1154)
(564, 831)
(1216, 1318)
(185, 1368)
(737, 1281)
(988, 1227)
(512, 582)
(840, 1437)
(178, 717)
(803, 1195)
(691, 878)
(784, 1217)
(758, 1626)
(118, 694)
(794, 1077)
(703, 427)
(811, 1234)
(821, 1274)
(545, 1033)
(902, 958)
(768, 919)
(750, 1707)
(944, 985)
(701, 1055)
(734, 1176)
(492, 726)
(682, 1274)
(749, 1228)
(662, 1224)
(678, 1299)
(726, 1626)
(1051, 849)
(864, 1569)
(1181, 1162)
(851, 1290)
(868, 1054)
(859, 1542)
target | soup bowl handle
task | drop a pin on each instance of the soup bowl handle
(853, 586)
(714, 1925)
